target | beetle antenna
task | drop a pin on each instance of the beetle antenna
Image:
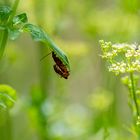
(45, 56)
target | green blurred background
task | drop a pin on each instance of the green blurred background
(92, 103)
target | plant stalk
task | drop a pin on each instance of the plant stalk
(4, 37)
(6, 126)
(43, 74)
(14, 9)
(4, 34)
(133, 89)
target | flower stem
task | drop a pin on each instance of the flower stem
(134, 93)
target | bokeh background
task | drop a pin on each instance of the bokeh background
(92, 103)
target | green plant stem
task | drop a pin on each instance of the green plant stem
(3, 42)
(4, 33)
(43, 74)
(134, 93)
(6, 127)
(14, 9)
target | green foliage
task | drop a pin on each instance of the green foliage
(19, 24)
(16, 26)
(20, 19)
(5, 12)
(7, 96)
(39, 35)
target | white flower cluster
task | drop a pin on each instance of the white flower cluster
(132, 53)
(117, 68)
(122, 58)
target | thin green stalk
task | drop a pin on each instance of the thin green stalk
(43, 74)
(6, 127)
(14, 9)
(134, 93)
(4, 37)
(4, 34)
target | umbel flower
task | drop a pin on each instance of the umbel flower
(121, 58)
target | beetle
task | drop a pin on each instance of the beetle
(59, 67)
(60, 72)
(56, 59)
(59, 64)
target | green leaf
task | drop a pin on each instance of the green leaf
(5, 12)
(7, 96)
(15, 29)
(20, 19)
(39, 35)
(14, 33)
